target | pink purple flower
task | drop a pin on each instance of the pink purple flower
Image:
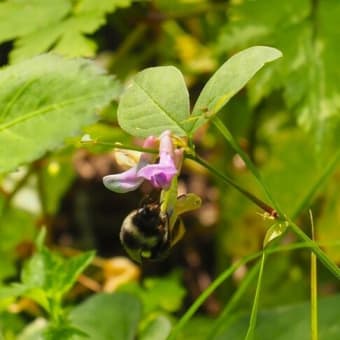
(160, 174)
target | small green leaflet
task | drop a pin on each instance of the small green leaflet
(158, 99)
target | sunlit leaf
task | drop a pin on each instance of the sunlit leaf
(108, 317)
(158, 293)
(16, 16)
(104, 6)
(229, 79)
(39, 25)
(157, 329)
(156, 100)
(52, 273)
(275, 231)
(45, 100)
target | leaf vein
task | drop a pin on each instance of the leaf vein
(159, 106)
(43, 110)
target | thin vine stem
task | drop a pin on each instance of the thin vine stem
(225, 178)
(229, 137)
(313, 287)
(255, 308)
(324, 259)
(190, 155)
(235, 298)
(328, 263)
(224, 276)
(120, 146)
(317, 251)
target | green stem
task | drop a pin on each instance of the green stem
(234, 300)
(229, 137)
(224, 276)
(200, 300)
(56, 312)
(254, 311)
(121, 146)
(267, 208)
(313, 288)
(326, 261)
(202, 162)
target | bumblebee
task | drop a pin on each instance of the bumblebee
(148, 233)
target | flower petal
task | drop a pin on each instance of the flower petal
(160, 175)
(165, 144)
(123, 182)
(129, 180)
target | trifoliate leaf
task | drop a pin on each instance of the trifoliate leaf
(156, 100)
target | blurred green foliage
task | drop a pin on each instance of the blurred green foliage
(287, 120)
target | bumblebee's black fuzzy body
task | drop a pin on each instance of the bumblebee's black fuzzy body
(145, 233)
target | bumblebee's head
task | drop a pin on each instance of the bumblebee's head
(145, 233)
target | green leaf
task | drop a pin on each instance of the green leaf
(286, 323)
(108, 317)
(65, 332)
(74, 44)
(229, 79)
(10, 324)
(47, 275)
(40, 24)
(275, 231)
(71, 269)
(12, 291)
(35, 43)
(307, 34)
(104, 6)
(164, 293)
(53, 274)
(19, 18)
(157, 100)
(157, 328)
(43, 101)
(34, 330)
